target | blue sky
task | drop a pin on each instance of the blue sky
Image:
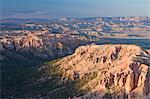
(74, 8)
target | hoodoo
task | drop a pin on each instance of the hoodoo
(121, 70)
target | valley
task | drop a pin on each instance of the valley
(74, 58)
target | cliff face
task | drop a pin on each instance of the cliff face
(48, 47)
(120, 69)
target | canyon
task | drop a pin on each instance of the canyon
(99, 57)
(119, 70)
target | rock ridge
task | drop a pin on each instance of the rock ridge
(122, 70)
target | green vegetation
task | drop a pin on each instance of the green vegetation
(21, 78)
(19, 74)
(67, 88)
(81, 82)
(107, 96)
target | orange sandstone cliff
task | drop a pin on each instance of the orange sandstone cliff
(121, 70)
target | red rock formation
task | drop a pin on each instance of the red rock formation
(119, 67)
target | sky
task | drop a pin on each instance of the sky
(73, 8)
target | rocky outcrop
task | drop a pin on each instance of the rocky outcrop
(122, 70)
(49, 46)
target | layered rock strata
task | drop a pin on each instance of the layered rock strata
(121, 70)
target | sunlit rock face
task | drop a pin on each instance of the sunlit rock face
(122, 70)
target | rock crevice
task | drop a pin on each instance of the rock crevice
(119, 67)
